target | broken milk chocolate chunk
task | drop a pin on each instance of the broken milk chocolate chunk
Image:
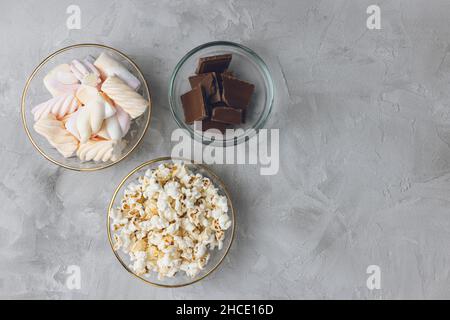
(208, 82)
(209, 124)
(225, 73)
(236, 93)
(195, 80)
(217, 63)
(228, 73)
(217, 96)
(219, 104)
(227, 115)
(219, 81)
(194, 105)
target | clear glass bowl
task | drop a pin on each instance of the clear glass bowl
(246, 65)
(217, 256)
(35, 93)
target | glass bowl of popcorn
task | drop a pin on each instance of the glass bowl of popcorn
(171, 222)
(86, 107)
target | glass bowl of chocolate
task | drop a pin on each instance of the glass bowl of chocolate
(221, 93)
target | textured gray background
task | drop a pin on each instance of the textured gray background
(365, 148)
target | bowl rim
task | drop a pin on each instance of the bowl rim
(261, 120)
(48, 58)
(227, 194)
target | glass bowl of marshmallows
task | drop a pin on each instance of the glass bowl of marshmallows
(171, 222)
(86, 107)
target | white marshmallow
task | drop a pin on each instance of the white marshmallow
(111, 67)
(61, 80)
(53, 130)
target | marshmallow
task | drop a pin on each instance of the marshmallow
(110, 110)
(96, 114)
(84, 125)
(89, 62)
(124, 120)
(91, 80)
(53, 130)
(122, 95)
(61, 80)
(103, 150)
(98, 107)
(87, 93)
(71, 125)
(85, 72)
(110, 67)
(59, 106)
(78, 69)
(90, 119)
(111, 129)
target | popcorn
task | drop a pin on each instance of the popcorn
(172, 189)
(169, 220)
(224, 222)
(139, 263)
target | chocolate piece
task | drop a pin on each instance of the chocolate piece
(219, 104)
(195, 80)
(227, 115)
(217, 63)
(236, 93)
(225, 73)
(219, 80)
(208, 124)
(228, 73)
(217, 97)
(209, 83)
(194, 105)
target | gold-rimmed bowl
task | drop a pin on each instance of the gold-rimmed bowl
(35, 93)
(217, 256)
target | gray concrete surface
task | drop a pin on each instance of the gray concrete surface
(364, 118)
